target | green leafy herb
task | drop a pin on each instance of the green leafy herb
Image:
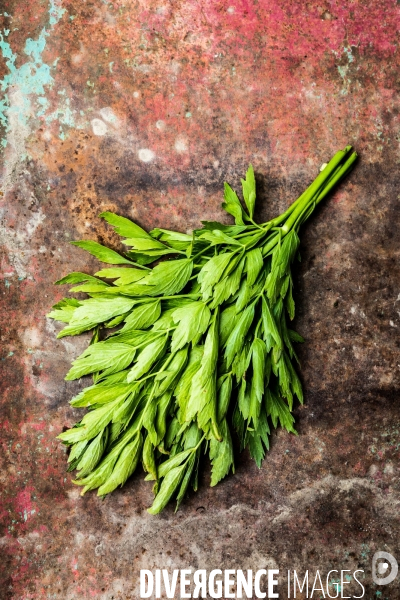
(186, 352)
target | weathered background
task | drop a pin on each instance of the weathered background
(145, 107)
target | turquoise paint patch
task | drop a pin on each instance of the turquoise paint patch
(31, 79)
(347, 51)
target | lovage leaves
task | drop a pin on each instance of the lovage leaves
(188, 350)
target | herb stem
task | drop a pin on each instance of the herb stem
(315, 188)
(200, 253)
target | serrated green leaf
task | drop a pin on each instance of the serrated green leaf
(148, 257)
(91, 288)
(241, 361)
(236, 339)
(168, 488)
(186, 480)
(228, 286)
(124, 412)
(286, 338)
(173, 371)
(258, 360)
(115, 321)
(212, 272)
(77, 277)
(193, 320)
(103, 253)
(243, 296)
(269, 324)
(101, 356)
(149, 462)
(114, 433)
(227, 322)
(92, 455)
(191, 436)
(165, 321)
(244, 399)
(277, 409)
(123, 226)
(182, 390)
(173, 462)
(232, 205)
(64, 310)
(143, 315)
(290, 306)
(167, 278)
(149, 416)
(99, 310)
(295, 337)
(124, 467)
(101, 473)
(257, 439)
(249, 190)
(254, 264)
(178, 241)
(148, 356)
(97, 477)
(147, 245)
(285, 285)
(278, 310)
(284, 377)
(92, 423)
(96, 394)
(203, 392)
(74, 330)
(224, 392)
(285, 253)
(295, 382)
(221, 455)
(122, 275)
(133, 337)
(77, 451)
(172, 432)
(163, 405)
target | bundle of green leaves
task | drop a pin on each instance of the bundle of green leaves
(186, 352)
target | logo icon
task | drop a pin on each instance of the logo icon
(381, 574)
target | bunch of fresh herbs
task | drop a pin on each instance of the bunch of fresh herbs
(186, 352)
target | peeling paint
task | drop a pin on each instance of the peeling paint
(31, 79)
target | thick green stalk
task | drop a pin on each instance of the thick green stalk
(315, 188)
(305, 204)
(338, 174)
(344, 169)
(316, 184)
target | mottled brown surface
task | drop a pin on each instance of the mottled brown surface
(207, 87)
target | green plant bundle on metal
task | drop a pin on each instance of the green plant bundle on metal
(186, 352)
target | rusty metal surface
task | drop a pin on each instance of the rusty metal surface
(145, 107)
